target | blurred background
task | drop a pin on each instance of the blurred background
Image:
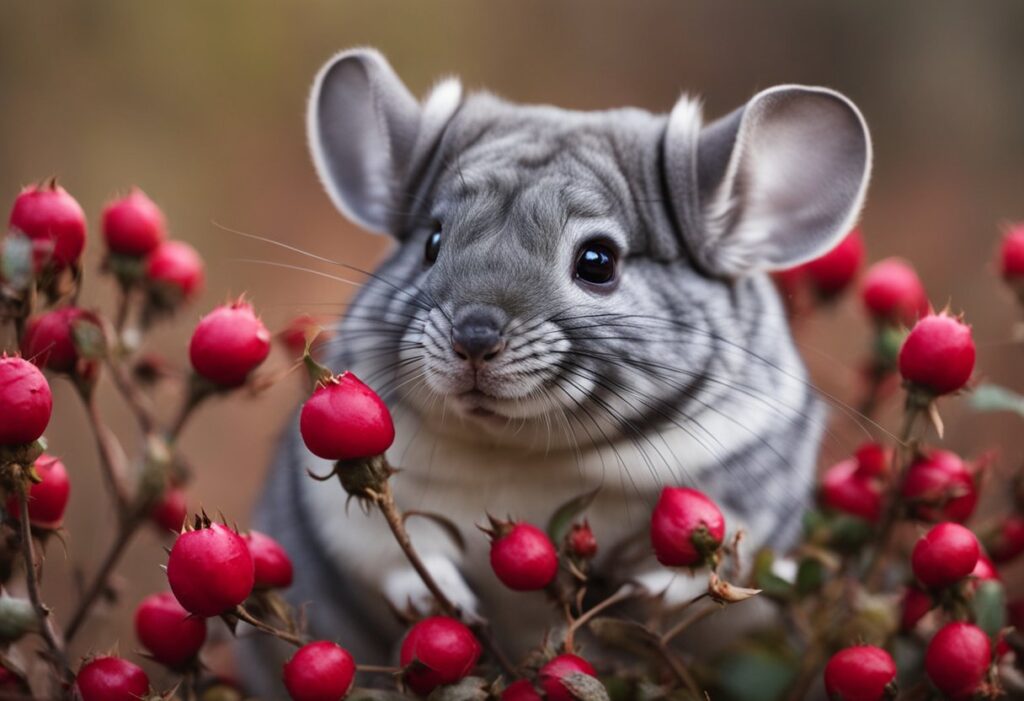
(201, 105)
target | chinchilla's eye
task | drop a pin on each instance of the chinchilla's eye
(595, 263)
(433, 245)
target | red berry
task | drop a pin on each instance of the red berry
(228, 344)
(860, 673)
(438, 651)
(54, 221)
(523, 557)
(25, 401)
(916, 603)
(872, 460)
(210, 570)
(111, 679)
(552, 674)
(170, 511)
(938, 486)
(294, 335)
(1011, 254)
(844, 488)
(175, 266)
(346, 420)
(686, 527)
(938, 354)
(170, 634)
(581, 541)
(47, 499)
(320, 671)
(985, 570)
(133, 225)
(273, 566)
(893, 293)
(945, 555)
(52, 339)
(521, 690)
(1008, 540)
(833, 272)
(958, 659)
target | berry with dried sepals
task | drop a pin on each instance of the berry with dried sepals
(687, 528)
(319, 671)
(437, 651)
(210, 570)
(228, 344)
(346, 420)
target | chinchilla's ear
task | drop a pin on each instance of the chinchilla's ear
(370, 137)
(775, 183)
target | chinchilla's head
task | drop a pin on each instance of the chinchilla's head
(576, 276)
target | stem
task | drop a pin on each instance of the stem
(135, 400)
(624, 593)
(288, 637)
(678, 628)
(680, 672)
(46, 628)
(111, 454)
(123, 311)
(377, 669)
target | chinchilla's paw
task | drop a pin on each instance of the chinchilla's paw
(404, 589)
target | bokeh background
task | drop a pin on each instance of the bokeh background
(201, 104)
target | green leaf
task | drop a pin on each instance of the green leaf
(561, 520)
(996, 398)
(809, 576)
(772, 585)
(989, 607)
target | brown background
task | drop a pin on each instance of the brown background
(201, 104)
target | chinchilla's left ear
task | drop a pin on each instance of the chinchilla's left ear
(775, 183)
(370, 137)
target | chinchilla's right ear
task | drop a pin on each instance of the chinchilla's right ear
(369, 136)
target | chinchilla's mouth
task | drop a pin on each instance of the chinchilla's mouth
(478, 403)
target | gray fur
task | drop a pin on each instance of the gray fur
(685, 373)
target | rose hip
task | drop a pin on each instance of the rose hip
(939, 486)
(133, 225)
(1011, 254)
(25, 401)
(171, 635)
(945, 555)
(687, 528)
(319, 671)
(51, 339)
(346, 420)
(48, 498)
(833, 272)
(938, 354)
(228, 344)
(273, 567)
(846, 489)
(210, 570)
(1007, 541)
(438, 651)
(521, 690)
(176, 268)
(872, 460)
(111, 679)
(523, 557)
(170, 510)
(915, 604)
(55, 223)
(893, 294)
(552, 674)
(861, 673)
(958, 659)
(580, 541)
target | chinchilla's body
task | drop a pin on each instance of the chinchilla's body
(575, 300)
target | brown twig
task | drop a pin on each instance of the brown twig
(112, 456)
(243, 615)
(130, 393)
(669, 635)
(624, 593)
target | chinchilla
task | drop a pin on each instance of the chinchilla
(573, 300)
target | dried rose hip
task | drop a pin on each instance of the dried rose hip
(938, 354)
(346, 420)
(52, 339)
(945, 555)
(210, 570)
(845, 488)
(25, 401)
(176, 268)
(939, 486)
(228, 344)
(319, 671)
(893, 294)
(860, 673)
(170, 511)
(437, 651)
(170, 633)
(55, 223)
(47, 499)
(687, 528)
(273, 566)
(111, 679)
(523, 557)
(552, 674)
(133, 225)
(958, 659)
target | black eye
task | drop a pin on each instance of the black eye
(595, 263)
(433, 246)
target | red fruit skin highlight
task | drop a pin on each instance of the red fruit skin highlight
(133, 225)
(25, 401)
(945, 555)
(176, 264)
(170, 634)
(47, 500)
(228, 344)
(346, 420)
(680, 514)
(939, 487)
(111, 679)
(833, 272)
(958, 659)
(892, 293)
(860, 673)
(524, 559)
(319, 671)
(844, 488)
(443, 650)
(49, 340)
(55, 223)
(552, 674)
(210, 570)
(938, 354)
(273, 567)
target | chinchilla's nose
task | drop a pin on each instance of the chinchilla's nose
(477, 333)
